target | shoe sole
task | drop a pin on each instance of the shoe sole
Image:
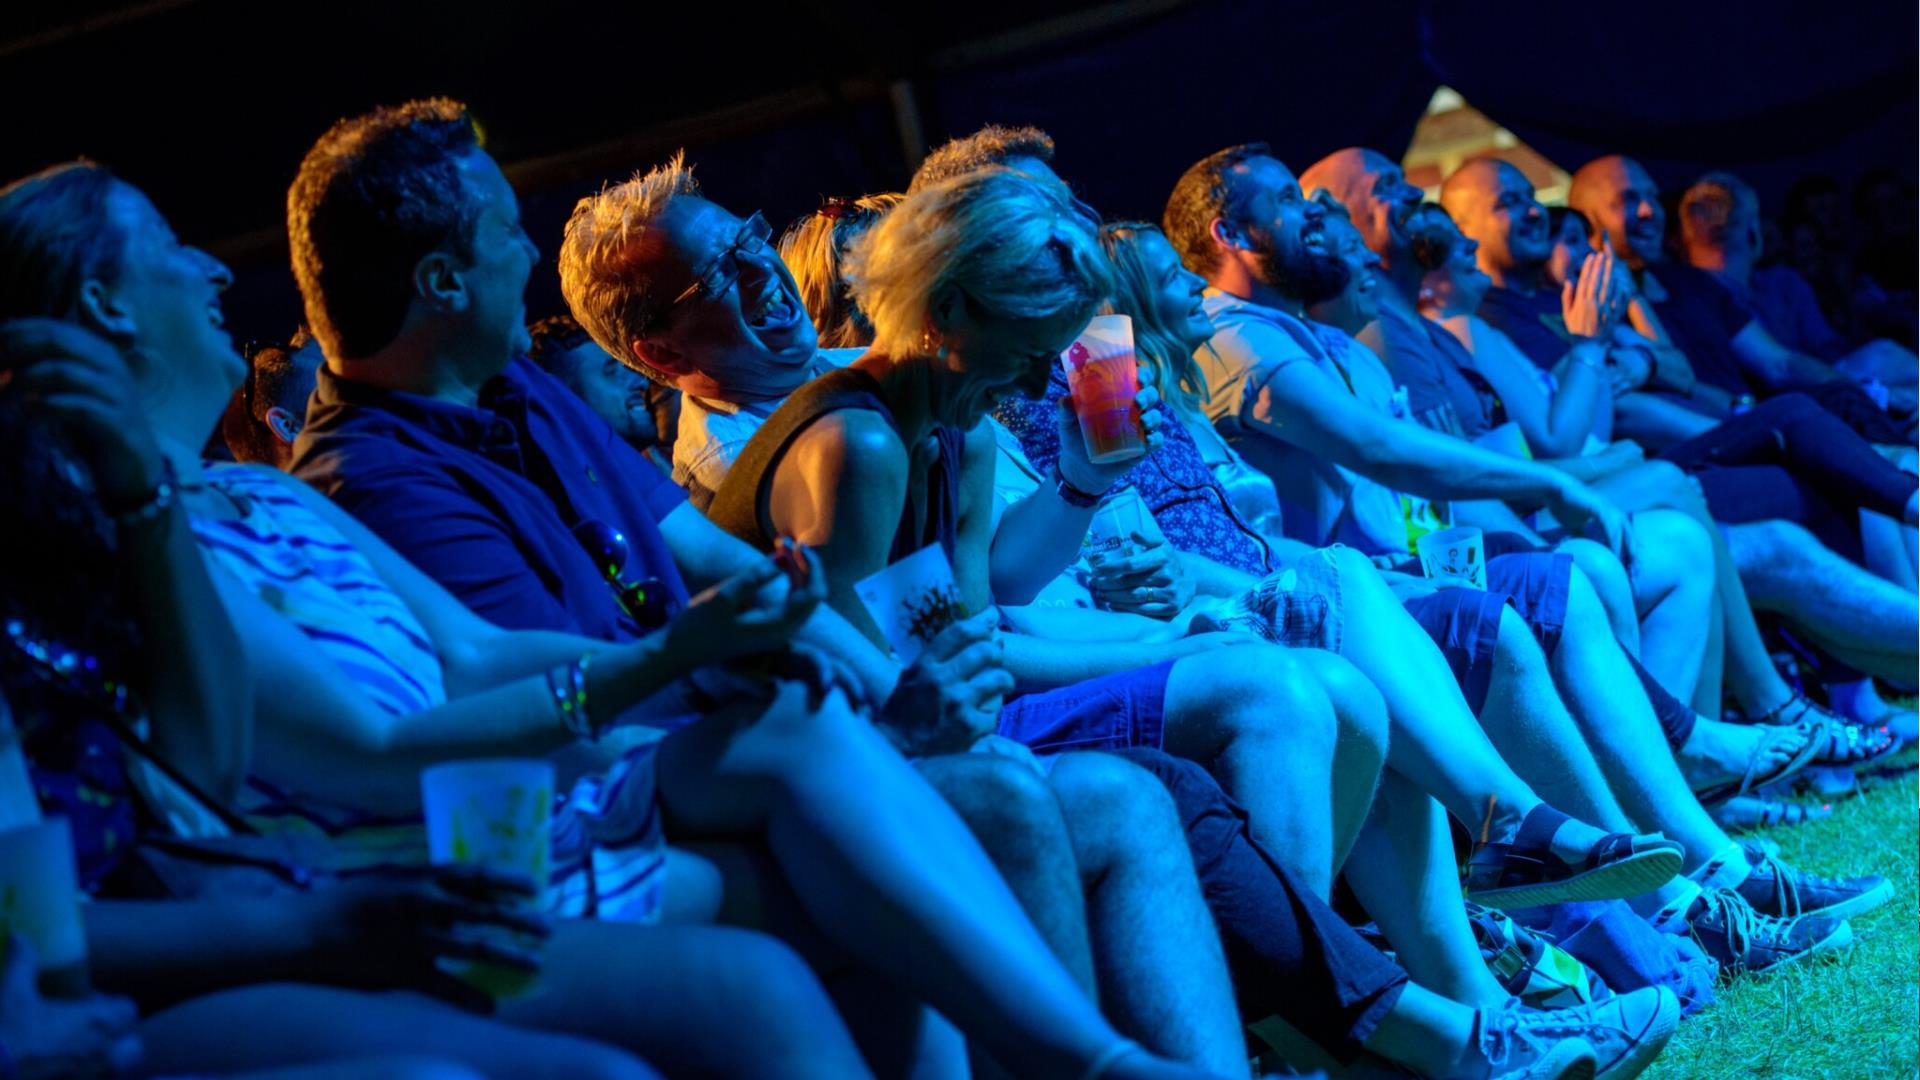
(1856, 905)
(1649, 1043)
(1631, 876)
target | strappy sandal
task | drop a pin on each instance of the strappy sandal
(1527, 873)
(1810, 745)
(1844, 743)
(1743, 812)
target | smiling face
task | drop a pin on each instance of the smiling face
(1621, 199)
(169, 295)
(1386, 206)
(1358, 302)
(1177, 291)
(502, 259)
(617, 393)
(1288, 234)
(1494, 204)
(1457, 285)
(747, 340)
(996, 357)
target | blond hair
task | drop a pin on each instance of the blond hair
(605, 258)
(815, 251)
(1015, 248)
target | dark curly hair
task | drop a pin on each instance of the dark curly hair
(1204, 192)
(373, 197)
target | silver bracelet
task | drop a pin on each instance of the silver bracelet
(568, 685)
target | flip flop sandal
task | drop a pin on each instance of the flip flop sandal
(1849, 744)
(1527, 873)
(1744, 812)
(1810, 746)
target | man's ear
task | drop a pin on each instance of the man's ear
(101, 311)
(661, 357)
(284, 425)
(1224, 235)
(438, 281)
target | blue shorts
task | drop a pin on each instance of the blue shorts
(1112, 712)
(1465, 623)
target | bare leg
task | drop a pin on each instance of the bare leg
(1619, 591)
(908, 892)
(1437, 742)
(274, 1026)
(1018, 820)
(1161, 966)
(1403, 872)
(1625, 739)
(1674, 585)
(1866, 622)
(1259, 719)
(1743, 669)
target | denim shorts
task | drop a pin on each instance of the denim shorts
(1465, 623)
(1112, 712)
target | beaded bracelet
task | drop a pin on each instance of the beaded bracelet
(152, 506)
(568, 684)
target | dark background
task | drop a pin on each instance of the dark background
(209, 104)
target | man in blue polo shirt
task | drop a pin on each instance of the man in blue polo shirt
(495, 479)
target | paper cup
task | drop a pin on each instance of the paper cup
(1103, 378)
(496, 813)
(18, 807)
(40, 901)
(913, 600)
(1455, 554)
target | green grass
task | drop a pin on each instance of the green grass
(1854, 1017)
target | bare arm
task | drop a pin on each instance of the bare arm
(1777, 366)
(708, 554)
(841, 490)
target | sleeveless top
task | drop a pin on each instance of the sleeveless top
(741, 506)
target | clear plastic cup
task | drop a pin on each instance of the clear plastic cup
(1104, 378)
(40, 901)
(496, 813)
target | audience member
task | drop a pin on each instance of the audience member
(463, 352)
(267, 412)
(640, 411)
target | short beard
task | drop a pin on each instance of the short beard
(1309, 277)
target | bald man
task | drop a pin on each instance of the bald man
(1730, 350)
(1493, 202)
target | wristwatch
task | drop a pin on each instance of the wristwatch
(1071, 495)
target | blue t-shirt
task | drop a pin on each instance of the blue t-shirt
(1432, 365)
(1534, 323)
(485, 500)
(1703, 317)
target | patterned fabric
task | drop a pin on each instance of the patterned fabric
(608, 855)
(303, 568)
(1186, 500)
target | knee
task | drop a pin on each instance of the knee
(995, 796)
(1675, 538)
(1103, 788)
(760, 984)
(1357, 705)
(1601, 566)
(1260, 691)
(1763, 543)
(1515, 651)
